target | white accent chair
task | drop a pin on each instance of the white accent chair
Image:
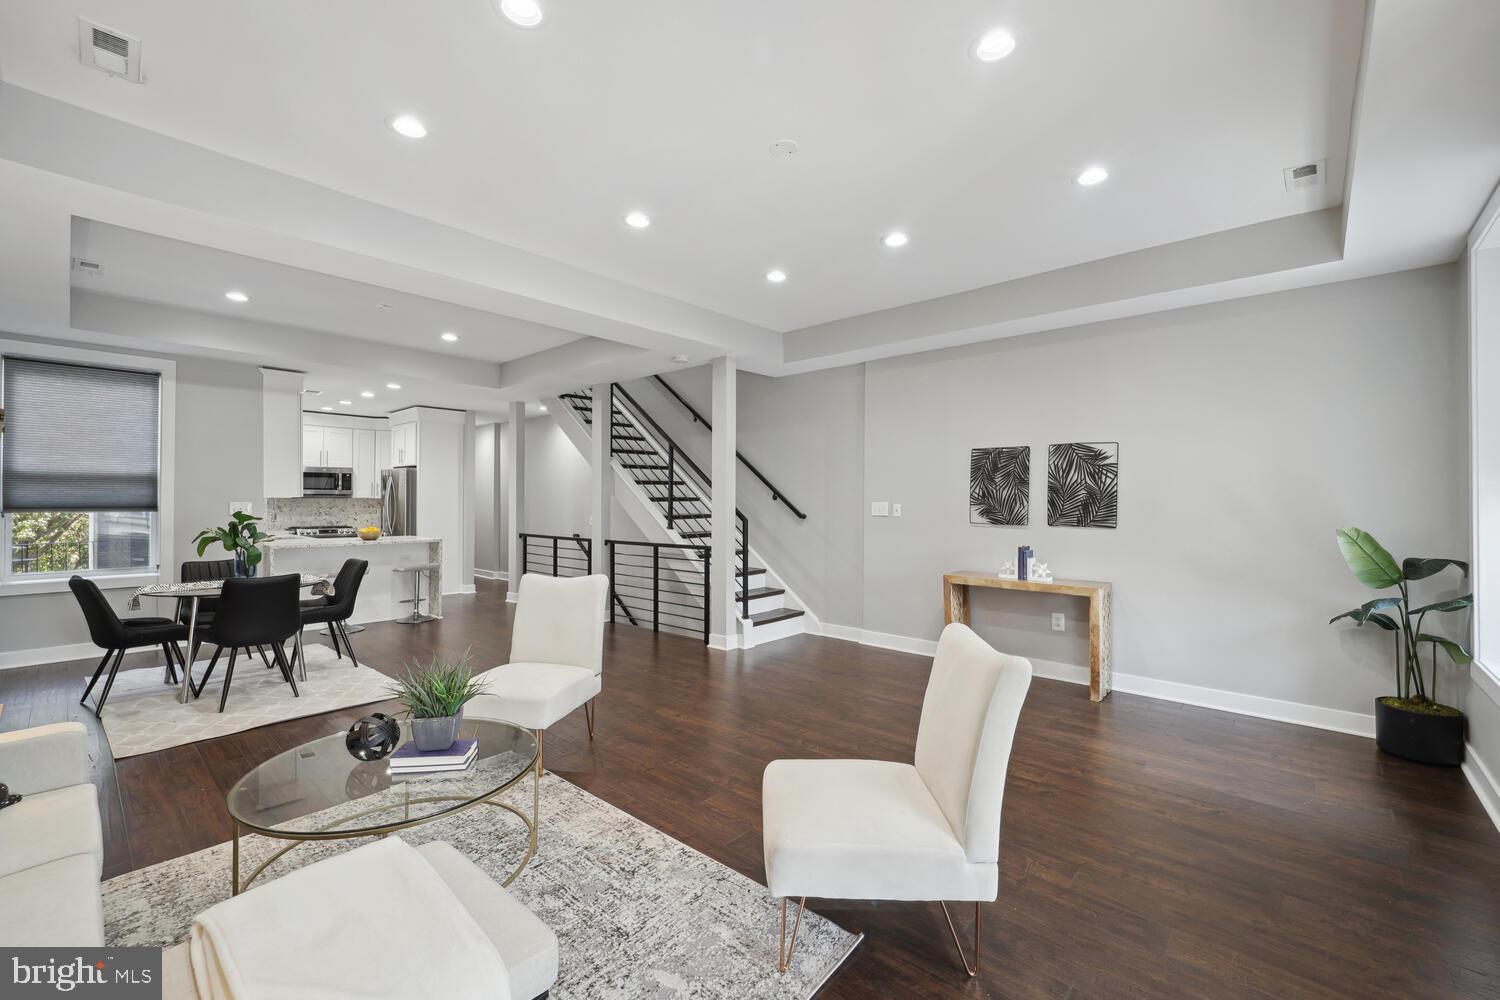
(51, 846)
(872, 829)
(556, 656)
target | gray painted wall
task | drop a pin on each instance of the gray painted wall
(218, 459)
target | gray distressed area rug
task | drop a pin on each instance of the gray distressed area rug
(636, 913)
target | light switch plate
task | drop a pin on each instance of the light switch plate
(240, 507)
(895, 510)
(880, 508)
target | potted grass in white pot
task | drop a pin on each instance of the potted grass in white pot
(1410, 723)
(434, 695)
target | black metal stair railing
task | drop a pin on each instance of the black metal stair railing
(661, 584)
(560, 555)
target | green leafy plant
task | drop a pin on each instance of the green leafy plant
(437, 689)
(1377, 569)
(241, 534)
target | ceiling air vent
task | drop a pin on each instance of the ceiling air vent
(1308, 175)
(109, 51)
(87, 266)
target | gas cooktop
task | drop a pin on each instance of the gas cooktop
(323, 531)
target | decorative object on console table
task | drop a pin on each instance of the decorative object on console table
(1000, 486)
(434, 696)
(1023, 562)
(1008, 570)
(374, 737)
(1083, 485)
(1411, 723)
(1038, 572)
(956, 588)
(242, 536)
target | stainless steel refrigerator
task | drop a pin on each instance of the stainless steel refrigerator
(398, 499)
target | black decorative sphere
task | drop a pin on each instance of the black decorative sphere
(375, 737)
(7, 799)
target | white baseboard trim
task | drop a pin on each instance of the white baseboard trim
(462, 590)
(717, 641)
(49, 654)
(1275, 709)
(491, 574)
(1482, 780)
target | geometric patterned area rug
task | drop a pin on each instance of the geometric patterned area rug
(637, 914)
(143, 714)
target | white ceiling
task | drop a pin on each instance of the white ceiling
(544, 138)
(171, 272)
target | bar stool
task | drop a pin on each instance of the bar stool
(417, 570)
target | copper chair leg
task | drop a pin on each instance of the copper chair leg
(972, 970)
(784, 952)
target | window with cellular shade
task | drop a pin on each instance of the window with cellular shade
(78, 437)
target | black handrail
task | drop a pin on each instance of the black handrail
(701, 419)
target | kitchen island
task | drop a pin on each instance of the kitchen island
(383, 588)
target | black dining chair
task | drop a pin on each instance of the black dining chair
(116, 635)
(336, 609)
(196, 572)
(254, 611)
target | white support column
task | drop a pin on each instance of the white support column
(723, 628)
(513, 456)
(601, 485)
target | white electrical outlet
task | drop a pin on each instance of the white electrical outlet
(895, 510)
(880, 508)
(239, 507)
(1059, 622)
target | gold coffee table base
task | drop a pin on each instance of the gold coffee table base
(327, 833)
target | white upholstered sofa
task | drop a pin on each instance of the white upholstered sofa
(51, 845)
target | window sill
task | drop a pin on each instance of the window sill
(59, 584)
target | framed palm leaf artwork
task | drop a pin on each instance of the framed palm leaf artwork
(1083, 484)
(1000, 486)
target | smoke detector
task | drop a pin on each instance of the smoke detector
(782, 148)
(1308, 175)
(109, 51)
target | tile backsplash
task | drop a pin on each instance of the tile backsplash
(353, 512)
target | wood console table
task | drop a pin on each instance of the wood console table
(956, 609)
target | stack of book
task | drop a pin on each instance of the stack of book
(409, 760)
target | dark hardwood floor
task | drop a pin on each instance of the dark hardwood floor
(1149, 849)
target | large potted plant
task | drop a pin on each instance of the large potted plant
(242, 536)
(1411, 723)
(434, 695)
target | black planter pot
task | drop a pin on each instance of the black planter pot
(1426, 739)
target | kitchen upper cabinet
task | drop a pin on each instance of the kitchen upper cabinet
(382, 452)
(404, 444)
(312, 447)
(366, 476)
(338, 446)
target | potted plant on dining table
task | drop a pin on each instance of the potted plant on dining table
(434, 695)
(242, 536)
(1410, 723)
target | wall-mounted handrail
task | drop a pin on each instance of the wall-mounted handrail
(776, 494)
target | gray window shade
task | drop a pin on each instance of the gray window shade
(79, 438)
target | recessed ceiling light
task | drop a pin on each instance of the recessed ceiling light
(346, 402)
(776, 277)
(526, 13)
(408, 125)
(367, 394)
(542, 408)
(328, 409)
(393, 385)
(450, 336)
(679, 359)
(895, 239)
(994, 45)
(1091, 176)
(237, 296)
(638, 220)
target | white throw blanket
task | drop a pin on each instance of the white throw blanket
(376, 923)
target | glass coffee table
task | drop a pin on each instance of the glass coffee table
(319, 791)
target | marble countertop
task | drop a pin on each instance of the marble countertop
(303, 542)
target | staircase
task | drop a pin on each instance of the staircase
(677, 494)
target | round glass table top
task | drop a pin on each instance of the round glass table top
(321, 790)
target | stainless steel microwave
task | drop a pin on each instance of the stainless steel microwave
(321, 481)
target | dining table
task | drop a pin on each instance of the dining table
(191, 593)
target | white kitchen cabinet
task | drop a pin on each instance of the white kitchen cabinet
(338, 447)
(382, 452)
(366, 477)
(404, 444)
(312, 447)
